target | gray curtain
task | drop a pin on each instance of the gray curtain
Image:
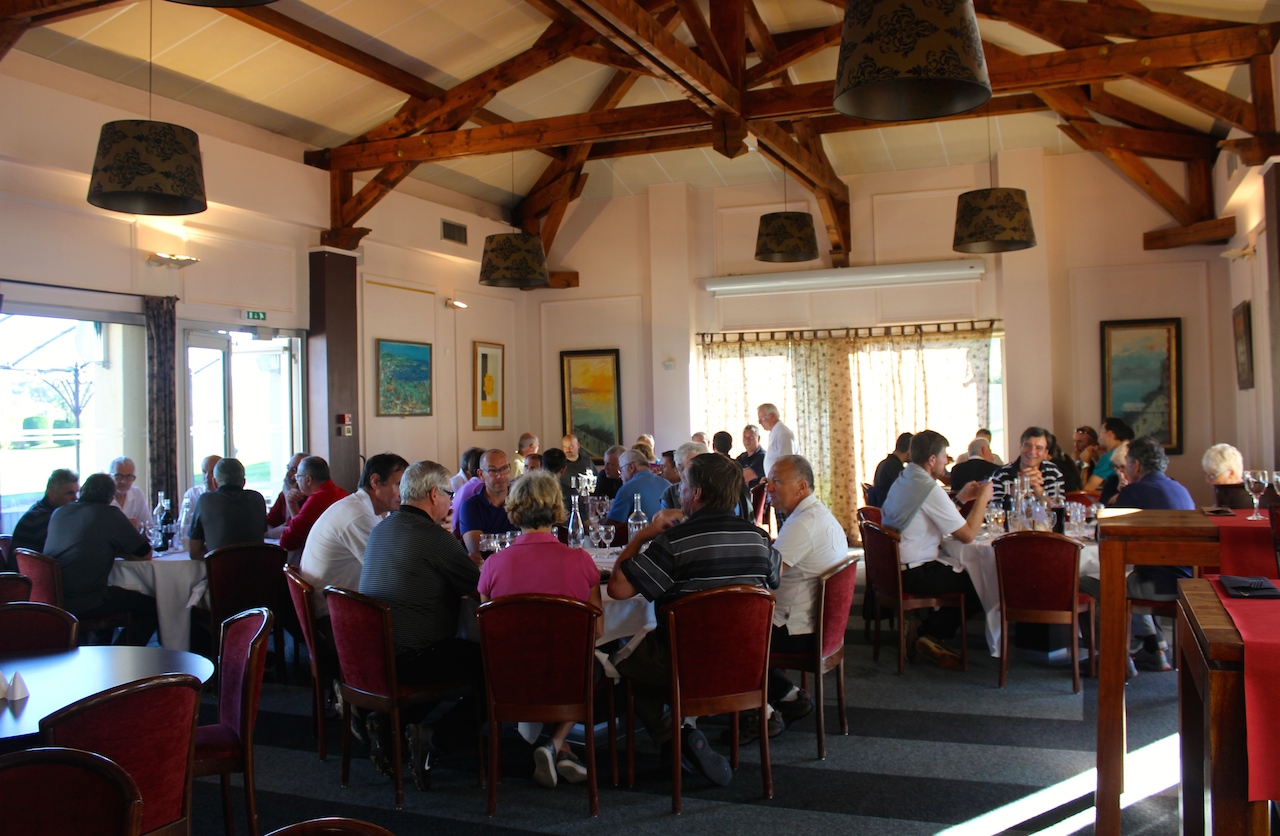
(162, 394)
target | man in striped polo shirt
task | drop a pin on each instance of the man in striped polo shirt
(710, 547)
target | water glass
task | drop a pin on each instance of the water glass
(606, 534)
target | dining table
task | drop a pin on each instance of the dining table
(177, 583)
(56, 680)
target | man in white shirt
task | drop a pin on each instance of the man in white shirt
(922, 513)
(334, 551)
(781, 439)
(129, 497)
(811, 542)
(525, 447)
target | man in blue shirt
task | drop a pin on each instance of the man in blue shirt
(486, 513)
(637, 478)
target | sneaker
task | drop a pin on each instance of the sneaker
(422, 757)
(378, 727)
(544, 766)
(708, 761)
(749, 727)
(934, 651)
(792, 710)
(570, 768)
(1157, 661)
(1130, 669)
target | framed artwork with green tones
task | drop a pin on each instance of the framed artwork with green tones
(591, 399)
(404, 378)
(1142, 377)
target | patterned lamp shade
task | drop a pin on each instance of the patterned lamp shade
(993, 221)
(513, 259)
(148, 168)
(786, 236)
(902, 60)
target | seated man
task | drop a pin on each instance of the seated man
(1114, 433)
(638, 479)
(554, 462)
(229, 514)
(610, 479)
(288, 501)
(682, 456)
(85, 537)
(578, 462)
(334, 553)
(417, 568)
(128, 496)
(1084, 450)
(321, 492)
(525, 447)
(722, 443)
(533, 461)
(977, 468)
(1070, 475)
(668, 466)
(1149, 488)
(207, 483)
(921, 512)
(1033, 462)
(811, 541)
(708, 549)
(984, 434)
(470, 486)
(471, 457)
(485, 512)
(751, 459)
(888, 471)
(59, 490)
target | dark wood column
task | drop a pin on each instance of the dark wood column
(333, 355)
(1271, 205)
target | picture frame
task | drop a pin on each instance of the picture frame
(1142, 377)
(488, 386)
(404, 378)
(590, 396)
(1242, 325)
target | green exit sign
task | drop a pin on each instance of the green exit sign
(256, 316)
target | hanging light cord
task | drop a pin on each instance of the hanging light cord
(151, 49)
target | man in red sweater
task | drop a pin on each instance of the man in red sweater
(320, 491)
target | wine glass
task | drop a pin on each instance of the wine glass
(606, 536)
(1255, 481)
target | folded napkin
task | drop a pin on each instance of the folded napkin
(1248, 587)
(17, 688)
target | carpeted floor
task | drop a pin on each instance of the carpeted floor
(930, 752)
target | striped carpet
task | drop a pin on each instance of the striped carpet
(930, 752)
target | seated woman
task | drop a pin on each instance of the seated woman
(537, 563)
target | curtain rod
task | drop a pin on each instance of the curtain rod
(846, 333)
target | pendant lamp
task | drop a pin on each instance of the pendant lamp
(144, 167)
(994, 220)
(904, 60)
(513, 259)
(785, 237)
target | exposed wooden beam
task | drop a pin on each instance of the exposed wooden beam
(757, 32)
(796, 158)
(1263, 100)
(728, 27)
(1203, 97)
(609, 56)
(996, 106)
(1126, 111)
(11, 31)
(1103, 20)
(1253, 150)
(708, 47)
(1200, 187)
(652, 145)
(1155, 144)
(1212, 231)
(1146, 179)
(767, 71)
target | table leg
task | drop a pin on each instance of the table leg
(1111, 667)
(1191, 719)
(1230, 807)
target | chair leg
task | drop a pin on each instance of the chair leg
(475, 716)
(676, 745)
(766, 767)
(495, 757)
(321, 728)
(631, 735)
(250, 796)
(1075, 662)
(964, 636)
(844, 712)
(1093, 638)
(346, 741)
(593, 777)
(902, 643)
(734, 721)
(875, 648)
(227, 822)
(613, 734)
(397, 756)
(1004, 647)
(821, 717)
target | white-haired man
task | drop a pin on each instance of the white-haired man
(129, 497)
(782, 440)
(637, 480)
(683, 455)
(525, 447)
(977, 468)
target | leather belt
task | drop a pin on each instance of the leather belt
(917, 564)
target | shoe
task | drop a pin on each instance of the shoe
(544, 766)
(1130, 669)
(334, 703)
(749, 727)
(913, 635)
(708, 761)
(422, 757)
(664, 754)
(934, 651)
(378, 727)
(1157, 661)
(792, 710)
(570, 768)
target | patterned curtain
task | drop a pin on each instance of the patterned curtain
(162, 394)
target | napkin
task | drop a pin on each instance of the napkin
(1248, 587)
(18, 688)
(4, 686)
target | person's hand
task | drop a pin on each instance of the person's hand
(662, 521)
(295, 498)
(1037, 479)
(973, 490)
(1089, 455)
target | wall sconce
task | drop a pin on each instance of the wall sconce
(173, 262)
(455, 304)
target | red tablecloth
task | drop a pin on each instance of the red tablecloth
(1256, 619)
(1245, 546)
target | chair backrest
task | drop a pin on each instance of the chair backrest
(1237, 496)
(37, 785)
(14, 586)
(241, 661)
(1084, 498)
(6, 552)
(45, 574)
(759, 502)
(621, 534)
(884, 568)
(1274, 514)
(149, 728)
(363, 637)
(837, 600)
(244, 576)
(719, 641)
(332, 827)
(300, 593)
(29, 627)
(866, 493)
(1038, 570)
(539, 650)
(967, 507)
(869, 513)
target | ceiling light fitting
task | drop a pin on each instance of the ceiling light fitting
(513, 259)
(994, 220)
(785, 237)
(173, 262)
(849, 278)
(902, 62)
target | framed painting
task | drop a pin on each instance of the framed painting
(404, 378)
(1242, 323)
(1142, 377)
(590, 394)
(488, 386)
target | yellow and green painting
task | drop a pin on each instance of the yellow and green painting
(592, 410)
(404, 378)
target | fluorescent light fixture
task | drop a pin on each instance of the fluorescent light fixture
(845, 278)
(455, 303)
(174, 262)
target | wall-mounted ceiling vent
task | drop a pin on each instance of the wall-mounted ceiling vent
(451, 231)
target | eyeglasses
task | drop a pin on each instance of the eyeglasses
(128, 478)
(446, 492)
(497, 471)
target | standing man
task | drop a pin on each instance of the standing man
(610, 479)
(128, 496)
(485, 512)
(228, 514)
(751, 460)
(781, 439)
(1114, 433)
(525, 447)
(578, 462)
(207, 483)
(888, 471)
(637, 478)
(1033, 462)
(31, 531)
(321, 492)
(288, 501)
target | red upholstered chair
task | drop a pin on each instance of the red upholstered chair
(226, 746)
(719, 641)
(1084, 498)
(28, 627)
(759, 503)
(884, 577)
(300, 592)
(149, 728)
(621, 534)
(1274, 514)
(46, 588)
(869, 513)
(14, 586)
(835, 598)
(366, 647)
(539, 665)
(242, 577)
(1039, 574)
(866, 494)
(6, 553)
(36, 785)
(332, 827)
(870, 612)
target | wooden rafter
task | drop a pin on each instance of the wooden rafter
(783, 60)
(1203, 97)
(1136, 23)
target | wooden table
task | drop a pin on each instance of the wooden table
(56, 680)
(1215, 778)
(1147, 538)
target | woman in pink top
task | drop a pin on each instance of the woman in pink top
(538, 563)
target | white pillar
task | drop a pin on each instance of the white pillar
(670, 303)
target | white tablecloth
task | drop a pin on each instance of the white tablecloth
(979, 560)
(176, 582)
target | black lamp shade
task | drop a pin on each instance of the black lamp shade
(148, 168)
(993, 221)
(786, 237)
(513, 259)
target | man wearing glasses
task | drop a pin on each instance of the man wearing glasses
(129, 497)
(486, 513)
(637, 478)
(1033, 462)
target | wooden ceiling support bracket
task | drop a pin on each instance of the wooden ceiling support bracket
(1264, 97)
(1253, 150)
(11, 31)
(559, 280)
(1203, 97)
(343, 238)
(730, 133)
(1212, 231)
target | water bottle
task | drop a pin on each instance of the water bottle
(157, 523)
(577, 533)
(637, 521)
(184, 519)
